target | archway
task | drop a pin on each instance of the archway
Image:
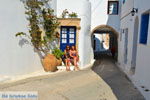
(135, 41)
(104, 41)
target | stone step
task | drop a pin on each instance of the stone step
(64, 68)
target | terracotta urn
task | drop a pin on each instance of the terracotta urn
(49, 63)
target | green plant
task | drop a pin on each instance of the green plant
(40, 19)
(73, 15)
(70, 15)
(64, 13)
(57, 53)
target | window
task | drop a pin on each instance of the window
(113, 7)
(64, 30)
(64, 35)
(72, 30)
(144, 28)
(71, 40)
(64, 40)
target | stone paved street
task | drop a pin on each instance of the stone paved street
(122, 87)
(86, 84)
(77, 85)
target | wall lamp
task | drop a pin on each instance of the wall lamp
(134, 10)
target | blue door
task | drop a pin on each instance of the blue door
(68, 36)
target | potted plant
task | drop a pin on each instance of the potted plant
(73, 15)
(42, 31)
(58, 54)
(65, 13)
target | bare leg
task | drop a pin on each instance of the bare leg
(67, 65)
(75, 64)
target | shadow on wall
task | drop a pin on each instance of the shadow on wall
(23, 42)
(32, 39)
(114, 22)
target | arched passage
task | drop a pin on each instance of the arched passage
(104, 41)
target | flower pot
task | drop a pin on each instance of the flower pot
(49, 63)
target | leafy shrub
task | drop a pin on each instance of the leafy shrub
(73, 15)
(57, 53)
(40, 19)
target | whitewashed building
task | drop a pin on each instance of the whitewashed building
(19, 58)
(95, 17)
(129, 21)
(134, 43)
(16, 58)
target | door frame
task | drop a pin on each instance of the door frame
(62, 46)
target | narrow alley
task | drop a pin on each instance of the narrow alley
(122, 87)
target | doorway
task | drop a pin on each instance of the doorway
(68, 36)
(126, 46)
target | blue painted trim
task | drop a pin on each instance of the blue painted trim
(144, 28)
(63, 45)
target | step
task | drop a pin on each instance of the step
(64, 68)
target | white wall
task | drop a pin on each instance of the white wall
(81, 7)
(84, 35)
(14, 59)
(99, 12)
(126, 23)
(70, 5)
(141, 76)
(126, 7)
(53, 5)
(143, 65)
(100, 16)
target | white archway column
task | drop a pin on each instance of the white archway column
(85, 47)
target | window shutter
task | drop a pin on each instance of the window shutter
(144, 28)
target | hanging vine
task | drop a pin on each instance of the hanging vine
(40, 19)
